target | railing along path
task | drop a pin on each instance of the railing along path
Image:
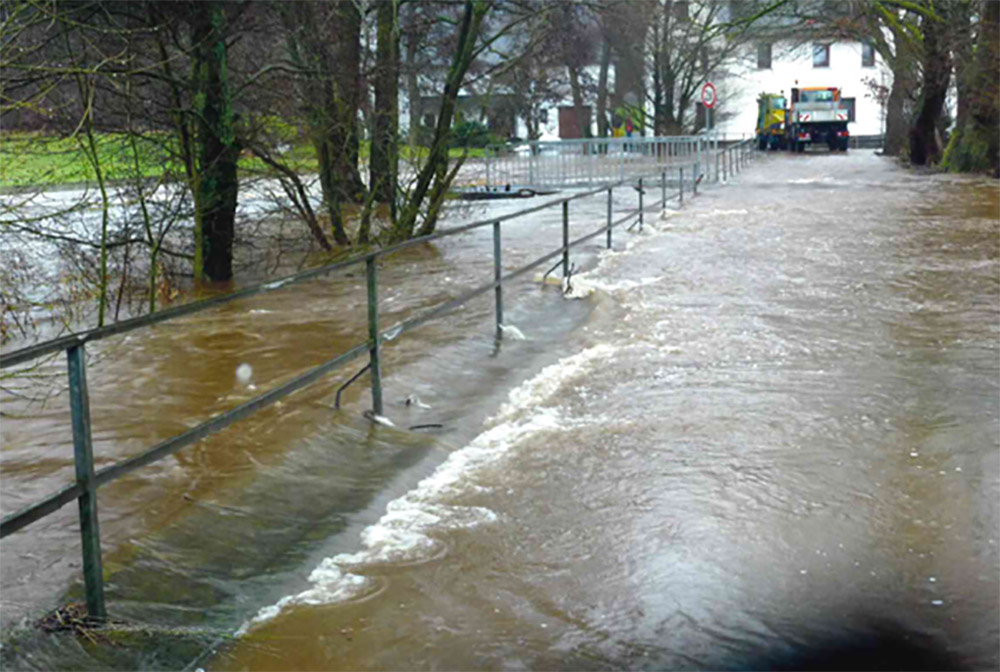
(728, 159)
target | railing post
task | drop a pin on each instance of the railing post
(609, 218)
(663, 189)
(680, 179)
(725, 173)
(694, 181)
(697, 160)
(640, 204)
(565, 239)
(591, 162)
(497, 273)
(83, 457)
(487, 167)
(373, 335)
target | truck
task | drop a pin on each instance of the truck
(817, 115)
(771, 114)
(813, 115)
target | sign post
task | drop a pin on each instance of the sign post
(709, 97)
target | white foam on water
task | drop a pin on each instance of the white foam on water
(813, 180)
(513, 331)
(405, 534)
(722, 213)
(584, 285)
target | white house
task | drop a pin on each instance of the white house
(767, 67)
(777, 67)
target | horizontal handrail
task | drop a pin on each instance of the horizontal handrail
(32, 513)
(88, 481)
(32, 352)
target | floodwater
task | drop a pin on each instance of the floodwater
(761, 433)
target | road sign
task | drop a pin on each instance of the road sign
(708, 95)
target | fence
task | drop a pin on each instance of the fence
(578, 163)
(84, 490)
(866, 141)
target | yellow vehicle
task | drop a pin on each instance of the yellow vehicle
(771, 116)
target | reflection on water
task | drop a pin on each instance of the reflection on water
(767, 439)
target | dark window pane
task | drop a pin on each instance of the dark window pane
(821, 55)
(764, 56)
(867, 55)
(848, 104)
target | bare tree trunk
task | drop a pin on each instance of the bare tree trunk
(895, 117)
(582, 122)
(413, 88)
(331, 195)
(216, 184)
(924, 147)
(343, 142)
(384, 163)
(437, 161)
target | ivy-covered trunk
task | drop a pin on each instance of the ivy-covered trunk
(217, 148)
(975, 146)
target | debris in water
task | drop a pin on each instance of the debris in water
(414, 400)
(244, 372)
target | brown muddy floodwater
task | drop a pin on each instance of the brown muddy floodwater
(763, 433)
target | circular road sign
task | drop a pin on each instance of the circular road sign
(708, 94)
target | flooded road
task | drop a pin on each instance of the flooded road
(762, 433)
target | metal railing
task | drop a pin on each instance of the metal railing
(88, 480)
(584, 162)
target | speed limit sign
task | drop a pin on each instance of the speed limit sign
(708, 95)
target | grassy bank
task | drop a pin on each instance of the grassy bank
(36, 160)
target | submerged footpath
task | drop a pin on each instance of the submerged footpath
(773, 444)
(763, 435)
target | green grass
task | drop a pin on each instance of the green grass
(36, 160)
(30, 159)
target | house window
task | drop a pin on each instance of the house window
(821, 55)
(867, 55)
(764, 56)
